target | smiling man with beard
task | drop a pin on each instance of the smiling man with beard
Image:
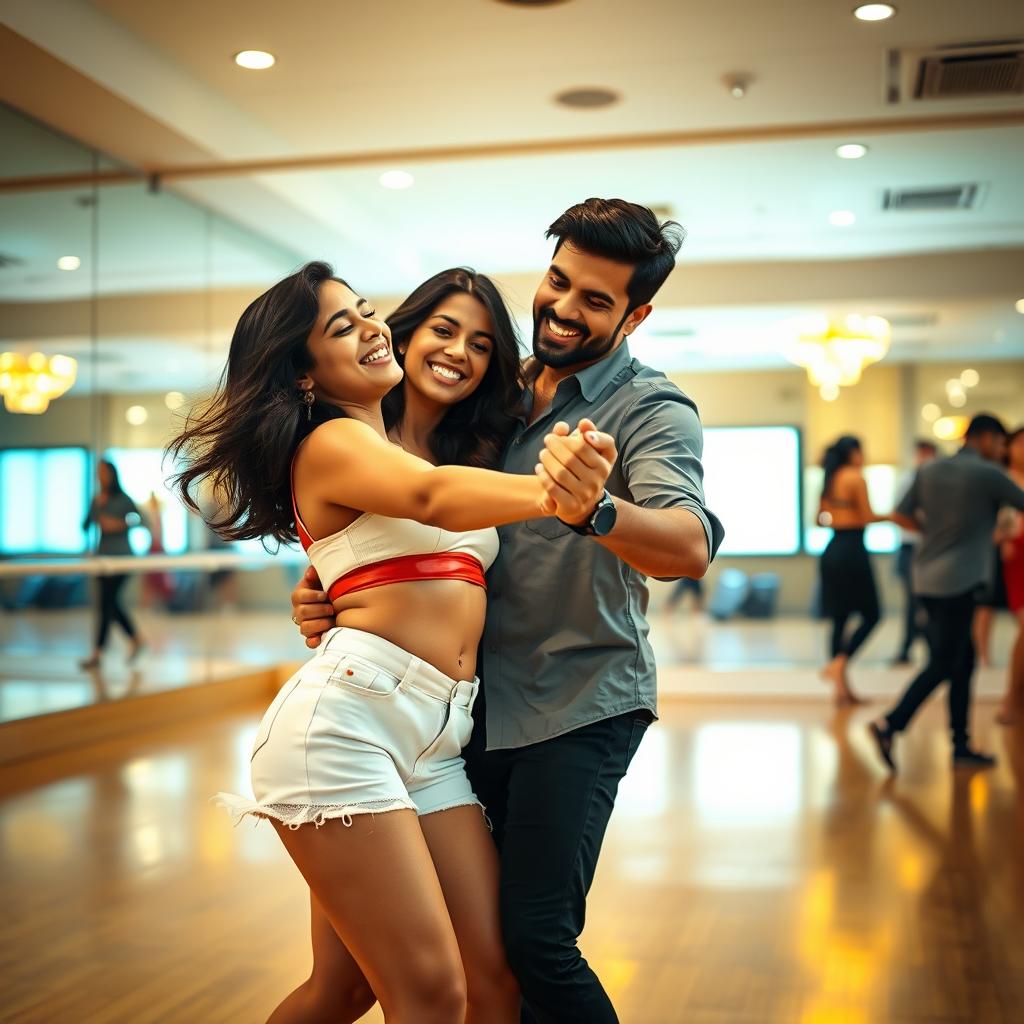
(568, 672)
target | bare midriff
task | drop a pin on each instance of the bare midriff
(438, 621)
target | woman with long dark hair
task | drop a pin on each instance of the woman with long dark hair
(114, 513)
(847, 580)
(295, 444)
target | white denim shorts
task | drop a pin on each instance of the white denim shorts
(362, 727)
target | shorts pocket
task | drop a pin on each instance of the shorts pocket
(354, 673)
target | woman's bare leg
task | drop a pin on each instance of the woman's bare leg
(982, 626)
(1012, 706)
(466, 861)
(336, 992)
(378, 888)
(467, 868)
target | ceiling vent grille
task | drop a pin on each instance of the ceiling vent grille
(964, 70)
(948, 197)
(976, 74)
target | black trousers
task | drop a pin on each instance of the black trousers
(950, 658)
(549, 805)
(111, 610)
(912, 612)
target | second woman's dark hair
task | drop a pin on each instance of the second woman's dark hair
(115, 478)
(243, 440)
(836, 456)
(474, 431)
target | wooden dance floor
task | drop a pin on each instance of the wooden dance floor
(760, 869)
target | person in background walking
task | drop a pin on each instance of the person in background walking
(847, 581)
(954, 502)
(924, 451)
(114, 513)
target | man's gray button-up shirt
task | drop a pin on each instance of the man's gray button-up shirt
(566, 637)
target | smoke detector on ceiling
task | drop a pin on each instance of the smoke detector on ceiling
(958, 71)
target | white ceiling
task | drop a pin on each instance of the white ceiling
(372, 76)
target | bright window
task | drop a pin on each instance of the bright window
(43, 501)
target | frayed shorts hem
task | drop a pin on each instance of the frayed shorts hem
(296, 815)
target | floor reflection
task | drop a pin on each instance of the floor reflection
(760, 869)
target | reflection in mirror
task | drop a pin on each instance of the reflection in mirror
(142, 288)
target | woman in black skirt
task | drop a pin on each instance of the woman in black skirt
(847, 582)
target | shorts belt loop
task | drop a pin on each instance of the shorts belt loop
(411, 671)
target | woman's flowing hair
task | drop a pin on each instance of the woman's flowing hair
(475, 430)
(242, 441)
(115, 477)
(836, 456)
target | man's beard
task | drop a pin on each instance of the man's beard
(585, 349)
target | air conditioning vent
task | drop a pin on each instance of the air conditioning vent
(964, 70)
(948, 197)
(978, 74)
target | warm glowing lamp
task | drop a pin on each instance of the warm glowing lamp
(30, 383)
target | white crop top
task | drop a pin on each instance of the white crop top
(375, 538)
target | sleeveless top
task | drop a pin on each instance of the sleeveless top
(375, 550)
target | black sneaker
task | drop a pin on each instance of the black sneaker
(883, 743)
(967, 758)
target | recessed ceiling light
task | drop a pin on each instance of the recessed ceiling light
(841, 218)
(174, 400)
(930, 412)
(1019, 305)
(874, 12)
(851, 151)
(970, 378)
(587, 98)
(255, 60)
(136, 415)
(69, 263)
(396, 179)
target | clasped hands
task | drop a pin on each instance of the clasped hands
(573, 468)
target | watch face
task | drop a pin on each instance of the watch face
(604, 519)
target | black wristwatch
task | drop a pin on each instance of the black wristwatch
(601, 521)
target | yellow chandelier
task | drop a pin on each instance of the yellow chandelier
(30, 383)
(835, 350)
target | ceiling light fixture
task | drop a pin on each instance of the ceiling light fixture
(874, 12)
(136, 415)
(30, 383)
(835, 350)
(255, 60)
(842, 218)
(587, 98)
(950, 428)
(930, 412)
(174, 400)
(1019, 305)
(68, 263)
(396, 179)
(851, 151)
(970, 378)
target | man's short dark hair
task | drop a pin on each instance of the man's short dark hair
(985, 423)
(923, 444)
(626, 233)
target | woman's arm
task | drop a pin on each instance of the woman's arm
(346, 463)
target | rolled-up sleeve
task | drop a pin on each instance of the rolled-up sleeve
(660, 447)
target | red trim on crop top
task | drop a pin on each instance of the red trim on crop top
(446, 565)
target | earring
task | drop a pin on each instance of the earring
(309, 399)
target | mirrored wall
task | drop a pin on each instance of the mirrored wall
(116, 309)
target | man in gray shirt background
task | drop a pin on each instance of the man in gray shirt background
(954, 503)
(568, 672)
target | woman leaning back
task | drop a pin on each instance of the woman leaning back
(295, 442)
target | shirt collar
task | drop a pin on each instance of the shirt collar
(594, 379)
